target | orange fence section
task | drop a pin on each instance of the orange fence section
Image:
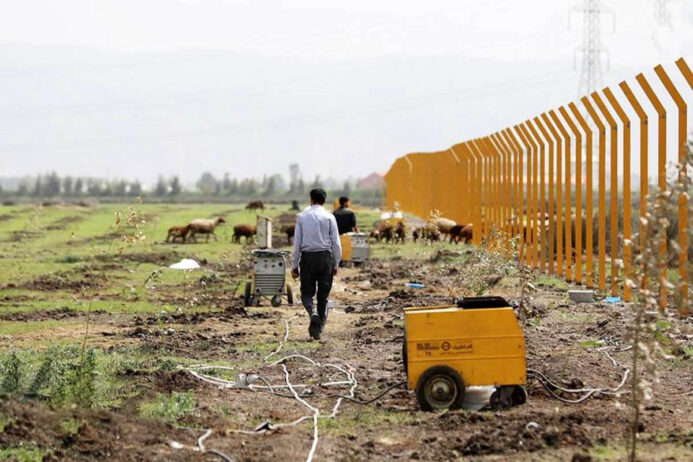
(535, 180)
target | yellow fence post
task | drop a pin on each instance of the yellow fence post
(527, 209)
(530, 202)
(682, 197)
(519, 204)
(477, 173)
(661, 175)
(644, 140)
(541, 233)
(627, 246)
(589, 201)
(507, 185)
(551, 215)
(577, 226)
(567, 242)
(613, 191)
(534, 174)
(601, 236)
(559, 190)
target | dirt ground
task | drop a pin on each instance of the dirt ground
(364, 335)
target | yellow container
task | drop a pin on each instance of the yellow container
(472, 346)
(345, 240)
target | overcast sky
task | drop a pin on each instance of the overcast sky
(135, 88)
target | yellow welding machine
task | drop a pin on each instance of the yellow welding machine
(475, 342)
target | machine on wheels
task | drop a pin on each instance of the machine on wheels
(477, 341)
(269, 278)
(355, 248)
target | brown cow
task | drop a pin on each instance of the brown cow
(254, 205)
(247, 231)
(290, 230)
(204, 226)
(175, 232)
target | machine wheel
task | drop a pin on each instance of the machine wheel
(276, 301)
(248, 295)
(289, 295)
(519, 395)
(440, 387)
(507, 396)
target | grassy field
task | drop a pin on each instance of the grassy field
(95, 331)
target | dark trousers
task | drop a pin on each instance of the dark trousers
(316, 270)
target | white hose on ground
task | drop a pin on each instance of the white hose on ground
(244, 382)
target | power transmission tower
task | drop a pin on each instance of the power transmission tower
(591, 73)
(662, 14)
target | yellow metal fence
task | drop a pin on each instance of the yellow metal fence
(536, 180)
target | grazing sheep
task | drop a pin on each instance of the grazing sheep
(204, 226)
(247, 231)
(175, 232)
(444, 225)
(290, 230)
(254, 205)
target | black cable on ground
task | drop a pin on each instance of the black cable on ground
(358, 401)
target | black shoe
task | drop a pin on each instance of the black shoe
(315, 327)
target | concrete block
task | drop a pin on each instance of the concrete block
(581, 296)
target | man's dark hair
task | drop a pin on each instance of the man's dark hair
(343, 201)
(318, 195)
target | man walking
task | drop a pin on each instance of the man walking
(346, 219)
(317, 253)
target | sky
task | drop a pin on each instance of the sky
(135, 89)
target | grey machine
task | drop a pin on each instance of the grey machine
(269, 278)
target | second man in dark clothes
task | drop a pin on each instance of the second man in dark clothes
(346, 218)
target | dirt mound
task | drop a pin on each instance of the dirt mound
(64, 221)
(157, 258)
(100, 435)
(175, 381)
(45, 315)
(86, 280)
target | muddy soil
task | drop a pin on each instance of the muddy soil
(364, 333)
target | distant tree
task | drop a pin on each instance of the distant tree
(233, 187)
(294, 178)
(347, 188)
(135, 189)
(108, 189)
(52, 185)
(23, 188)
(120, 188)
(317, 183)
(175, 187)
(226, 183)
(67, 186)
(161, 187)
(38, 187)
(270, 186)
(78, 187)
(300, 186)
(93, 187)
(207, 183)
(249, 187)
